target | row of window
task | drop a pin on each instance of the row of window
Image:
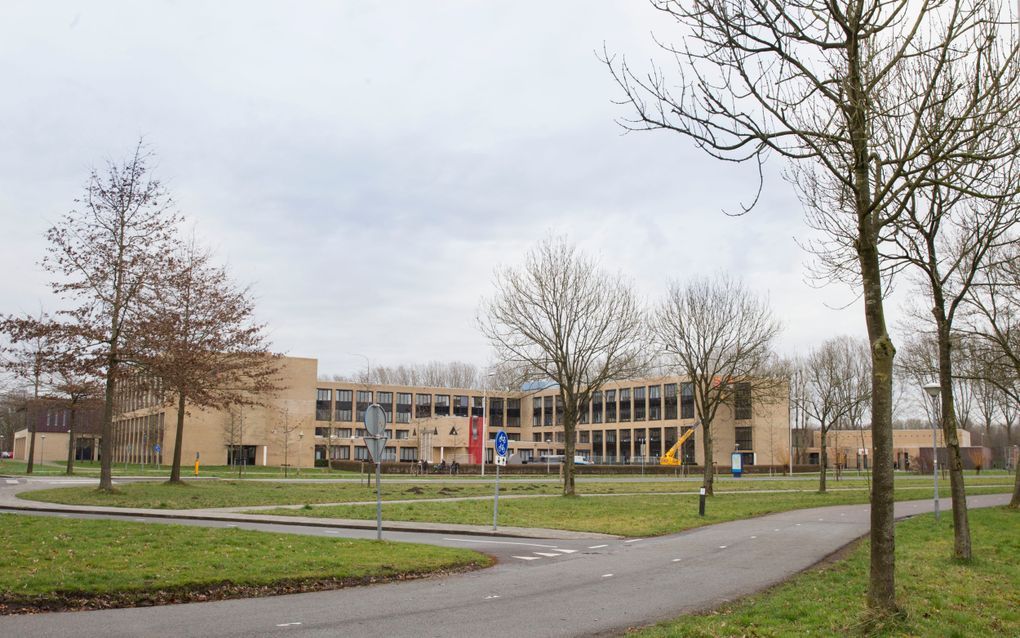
(641, 403)
(399, 406)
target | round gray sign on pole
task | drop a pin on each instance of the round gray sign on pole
(375, 420)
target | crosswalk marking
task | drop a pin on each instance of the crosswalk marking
(528, 557)
(567, 551)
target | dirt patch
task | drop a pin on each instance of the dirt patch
(414, 490)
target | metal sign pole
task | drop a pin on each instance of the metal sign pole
(495, 502)
(378, 501)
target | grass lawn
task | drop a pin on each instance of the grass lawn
(91, 469)
(643, 515)
(939, 596)
(205, 494)
(53, 563)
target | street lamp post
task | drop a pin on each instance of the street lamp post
(933, 389)
(42, 450)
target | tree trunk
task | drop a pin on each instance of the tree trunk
(1015, 501)
(569, 428)
(106, 429)
(70, 442)
(175, 469)
(31, 444)
(709, 479)
(824, 460)
(961, 526)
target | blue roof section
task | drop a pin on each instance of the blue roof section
(535, 386)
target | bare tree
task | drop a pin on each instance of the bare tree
(560, 318)
(437, 374)
(31, 359)
(108, 252)
(993, 317)
(233, 436)
(838, 384)
(198, 336)
(77, 381)
(720, 336)
(847, 93)
(284, 432)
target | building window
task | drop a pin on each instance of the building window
(744, 438)
(344, 405)
(408, 454)
(442, 405)
(625, 404)
(639, 404)
(585, 410)
(460, 405)
(536, 411)
(323, 399)
(342, 452)
(321, 431)
(536, 438)
(364, 400)
(742, 401)
(513, 412)
(559, 410)
(343, 433)
(669, 390)
(402, 434)
(385, 401)
(585, 436)
(596, 407)
(687, 400)
(360, 453)
(476, 406)
(403, 407)
(496, 412)
(422, 406)
(610, 406)
(547, 410)
(360, 433)
(654, 402)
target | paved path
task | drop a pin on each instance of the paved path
(542, 587)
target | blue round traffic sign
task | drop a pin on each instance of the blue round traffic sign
(502, 443)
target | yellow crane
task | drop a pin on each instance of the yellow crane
(670, 457)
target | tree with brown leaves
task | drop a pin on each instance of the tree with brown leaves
(107, 252)
(197, 334)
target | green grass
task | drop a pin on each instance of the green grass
(642, 515)
(212, 494)
(939, 596)
(48, 560)
(91, 469)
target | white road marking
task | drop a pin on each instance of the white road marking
(606, 575)
(528, 557)
(567, 551)
(821, 519)
(677, 560)
(598, 546)
(776, 529)
(288, 624)
(797, 524)
(474, 540)
(722, 547)
(547, 554)
(634, 540)
(332, 531)
(754, 537)
(491, 597)
(12, 482)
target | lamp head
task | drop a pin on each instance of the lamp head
(932, 389)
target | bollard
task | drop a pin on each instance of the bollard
(701, 502)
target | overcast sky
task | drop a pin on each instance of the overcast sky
(365, 165)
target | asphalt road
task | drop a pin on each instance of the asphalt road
(539, 588)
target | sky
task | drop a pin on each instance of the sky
(365, 166)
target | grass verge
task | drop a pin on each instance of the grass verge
(53, 563)
(641, 515)
(213, 494)
(939, 596)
